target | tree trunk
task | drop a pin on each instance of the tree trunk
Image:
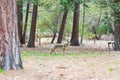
(117, 33)
(55, 27)
(20, 18)
(9, 41)
(31, 42)
(116, 27)
(60, 37)
(83, 25)
(75, 31)
(25, 26)
(53, 37)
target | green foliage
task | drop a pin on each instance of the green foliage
(49, 5)
(100, 3)
(47, 23)
(92, 16)
(105, 29)
(66, 5)
(89, 35)
(113, 5)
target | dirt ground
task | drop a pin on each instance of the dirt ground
(102, 65)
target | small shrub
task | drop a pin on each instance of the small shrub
(89, 35)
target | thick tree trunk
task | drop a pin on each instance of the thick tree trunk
(75, 32)
(60, 37)
(31, 42)
(117, 33)
(116, 27)
(25, 26)
(9, 47)
(20, 18)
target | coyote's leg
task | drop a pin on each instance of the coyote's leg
(64, 49)
(52, 50)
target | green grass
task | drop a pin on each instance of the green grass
(39, 54)
(87, 54)
(111, 69)
(2, 71)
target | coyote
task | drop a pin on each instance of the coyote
(59, 46)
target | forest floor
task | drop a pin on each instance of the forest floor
(85, 62)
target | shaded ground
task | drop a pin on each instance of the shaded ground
(88, 62)
(88, 45)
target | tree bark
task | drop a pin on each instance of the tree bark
(117, 33)
(116, 27)
(10, 45)
(53, 38)
(25, 26)
(20, 18)
(75, 31)
(55, 27)
(60, 37)
(31, 42)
